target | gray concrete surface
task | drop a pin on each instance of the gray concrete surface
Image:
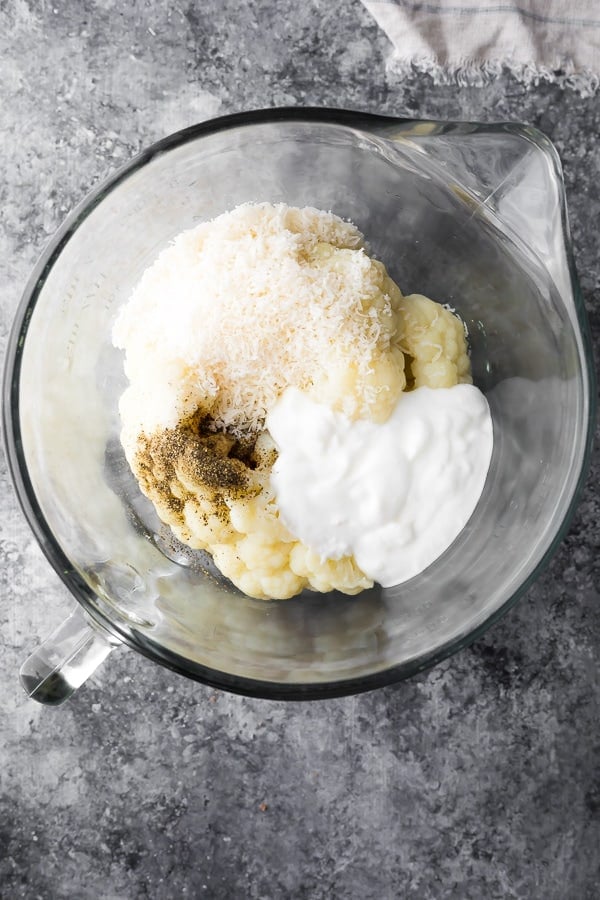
(479, 779)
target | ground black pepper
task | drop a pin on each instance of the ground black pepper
(179, 464)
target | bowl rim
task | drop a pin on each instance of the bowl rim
(15, 456)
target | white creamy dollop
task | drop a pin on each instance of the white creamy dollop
(393, 495)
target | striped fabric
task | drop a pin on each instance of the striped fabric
(471, 39)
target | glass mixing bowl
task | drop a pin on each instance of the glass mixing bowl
(471, 215)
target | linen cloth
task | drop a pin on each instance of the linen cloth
(470, 40)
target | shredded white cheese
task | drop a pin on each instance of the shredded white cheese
(241, 307)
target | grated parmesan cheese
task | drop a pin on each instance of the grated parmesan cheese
(241, 307)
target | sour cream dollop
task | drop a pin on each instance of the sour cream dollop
(393, 495)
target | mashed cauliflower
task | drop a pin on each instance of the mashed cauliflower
(231, 314)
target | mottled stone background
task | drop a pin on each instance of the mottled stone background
(478, 780)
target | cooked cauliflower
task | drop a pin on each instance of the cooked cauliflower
(244, 534)
(207, 467)
(433, 341)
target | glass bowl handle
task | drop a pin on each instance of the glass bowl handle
(65, 660)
